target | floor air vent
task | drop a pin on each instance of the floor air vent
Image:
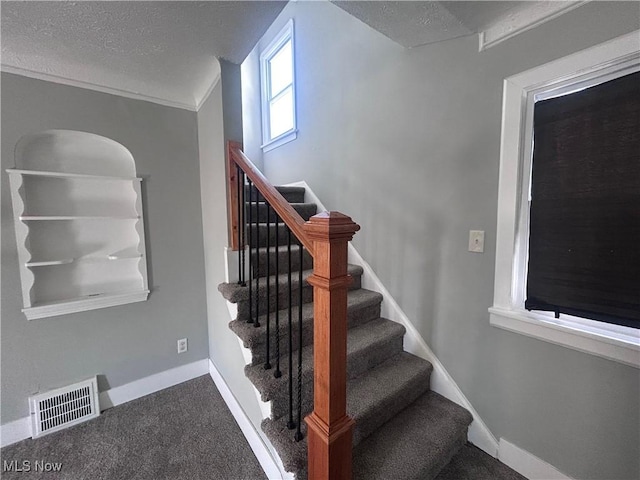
(61, 408)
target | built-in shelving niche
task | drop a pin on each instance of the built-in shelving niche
(77, 208)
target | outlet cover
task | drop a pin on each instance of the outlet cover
(182, 345)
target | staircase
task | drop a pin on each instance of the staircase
(403, 430)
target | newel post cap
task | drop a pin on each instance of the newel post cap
(328, 226)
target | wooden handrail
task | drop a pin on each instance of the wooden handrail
(325, 236)
(283, 208)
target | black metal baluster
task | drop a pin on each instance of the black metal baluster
(298, 436)
(250, 227)
(256, 322)
(291, 424)
(241, 228)
(277, 373)
(267, 364)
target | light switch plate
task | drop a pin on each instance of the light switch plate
(476, 241)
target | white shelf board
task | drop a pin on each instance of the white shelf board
(29, 218)
(47, 263)
(124, 254)
(42, 173)
(89, 302)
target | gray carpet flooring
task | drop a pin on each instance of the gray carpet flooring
(471, 463)
(183, 432)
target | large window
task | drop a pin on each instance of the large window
(277, 73)
(584, 228)
(567, 234)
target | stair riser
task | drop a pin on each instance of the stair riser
(246, 311)
(291, 195)
(283, 262)
(257, 237)
(306, 211)
(445, 458)
(355, 317)
(356, 365)
(282, 298)
(386, 410)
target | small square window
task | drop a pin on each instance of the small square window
(277, 73)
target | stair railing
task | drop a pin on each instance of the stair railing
(325, 237)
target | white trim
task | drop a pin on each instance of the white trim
(271, 466)
(441, 381)
(231, 256)
(20, 429)
(15, 431)
(566, 333)
(286, 34)
(208, 91)
(153, 383)
(527, 464)
(286, 137)
(527, 19)
(620, 344)
(84, 304)
(48, 77)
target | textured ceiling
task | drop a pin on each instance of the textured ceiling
(160, 50)
(480, 15)
(412, 23)
(408, 23)
(167, 51)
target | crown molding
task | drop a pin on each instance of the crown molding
(208, 92)
(48, 77)
(523, 21)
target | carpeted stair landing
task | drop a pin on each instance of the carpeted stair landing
(403, 429)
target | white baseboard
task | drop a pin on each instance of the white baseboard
(153, 383)
(269, 462)
(20, 429)
(527, 464)
(15, 431)
(441, 381)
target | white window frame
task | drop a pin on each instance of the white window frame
(285, 35)
(575, 72)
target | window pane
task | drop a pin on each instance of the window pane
(281, 114)
(280, 70)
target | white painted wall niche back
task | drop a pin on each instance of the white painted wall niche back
(77, 211)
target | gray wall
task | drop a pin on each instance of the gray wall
(407, 142)
(122, 343)
(224, 348)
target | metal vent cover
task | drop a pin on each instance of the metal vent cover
(63, 407)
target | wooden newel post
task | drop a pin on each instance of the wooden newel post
(232, 196)
(329, 428)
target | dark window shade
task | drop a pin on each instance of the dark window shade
(584, 244)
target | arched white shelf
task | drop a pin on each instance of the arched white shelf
(77, 208)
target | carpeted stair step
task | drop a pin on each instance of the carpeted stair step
(306, 210)
(372, 399)
(416, 444)
(282, 255)
(368, 345)
(362, 306)
(240, 295)
(290, 194)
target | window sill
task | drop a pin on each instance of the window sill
(621, 344)
(279, 141)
